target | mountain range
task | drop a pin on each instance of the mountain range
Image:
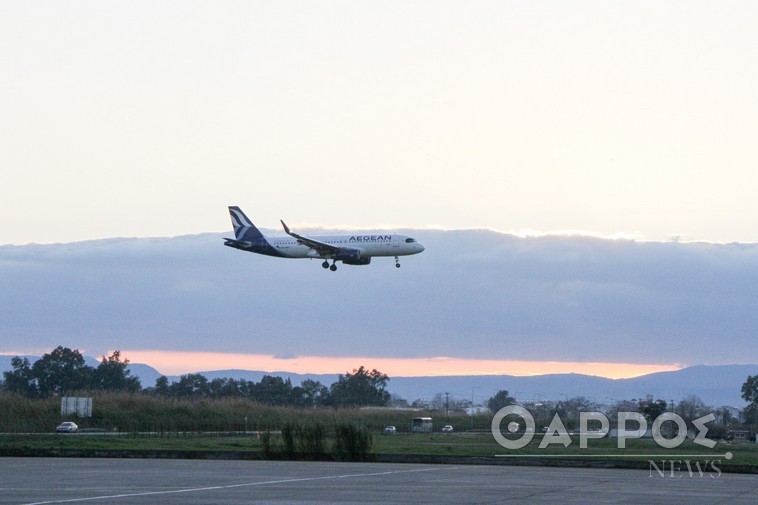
(716, 386)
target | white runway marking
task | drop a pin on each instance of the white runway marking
(246, 484)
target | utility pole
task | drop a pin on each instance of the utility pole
(447, 405)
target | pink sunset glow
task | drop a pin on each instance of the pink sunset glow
(177, 363)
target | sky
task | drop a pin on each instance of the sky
(623, 120)
(139, 119)
(474, 302)
(176, 363)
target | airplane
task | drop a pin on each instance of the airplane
(353, 249)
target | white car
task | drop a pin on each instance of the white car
(67, 427)
(389, 430)
(447, 429)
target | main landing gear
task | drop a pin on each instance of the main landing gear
(333, 266)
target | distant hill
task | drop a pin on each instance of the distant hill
(715, 385)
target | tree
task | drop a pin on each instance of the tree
(189, 386)
(726, 416)
(751, 414)
(750, 389)
(273, 390)
(60, 372)
(750, 395)
(360, 388)
(396, 401)
(224, 388)
(652, 409)
(570, 409)
(20, 380)
(161, 387)
(444, 402)
(312, 393)
(691, 408)
(418, 403)
(112, 375)
(499, 400)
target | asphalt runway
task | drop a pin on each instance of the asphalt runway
(151, 481)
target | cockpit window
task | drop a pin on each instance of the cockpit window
(410, 240)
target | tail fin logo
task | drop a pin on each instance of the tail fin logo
(240, 223)
(244, 229)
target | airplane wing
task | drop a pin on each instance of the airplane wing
(322, 248)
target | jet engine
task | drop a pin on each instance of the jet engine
(352, 257)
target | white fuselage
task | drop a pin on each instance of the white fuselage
(368, 244)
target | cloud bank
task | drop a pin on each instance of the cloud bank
(472, 294)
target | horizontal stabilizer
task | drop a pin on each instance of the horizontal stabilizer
(236, 243)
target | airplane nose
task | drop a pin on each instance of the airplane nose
(420, 247)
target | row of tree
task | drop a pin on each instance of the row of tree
(360, 388)
(689, 408)
(65, 372)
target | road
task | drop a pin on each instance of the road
(150, 481)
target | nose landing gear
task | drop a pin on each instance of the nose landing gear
(397, 262)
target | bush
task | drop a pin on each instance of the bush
(304, 441)
(312, 443)
(288, 437)
(351, 443)
(266, 444)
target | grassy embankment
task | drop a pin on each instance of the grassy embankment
(167, 416)
(138, 422)
(411, 445)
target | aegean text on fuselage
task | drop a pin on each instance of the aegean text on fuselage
(371, 238)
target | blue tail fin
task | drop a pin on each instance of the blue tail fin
(244, 229)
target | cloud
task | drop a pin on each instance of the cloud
(472, 294)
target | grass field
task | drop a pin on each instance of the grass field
(454, 445)
(124, 422)
(464, 444)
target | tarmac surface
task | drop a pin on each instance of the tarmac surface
(150, 481)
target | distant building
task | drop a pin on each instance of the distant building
(738, 435)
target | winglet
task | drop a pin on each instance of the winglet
(291, 234)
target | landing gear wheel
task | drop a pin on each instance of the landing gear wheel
(333, 268)
(325, 264)
(397, 262)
